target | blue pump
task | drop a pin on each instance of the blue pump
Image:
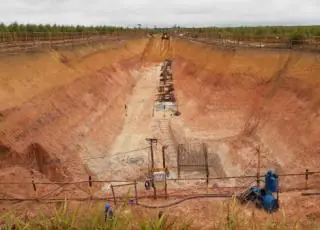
(271, 182)
(263, 197)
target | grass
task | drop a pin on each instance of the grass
(90, 217)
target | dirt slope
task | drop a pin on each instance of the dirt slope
(70, 105)
(238, 99)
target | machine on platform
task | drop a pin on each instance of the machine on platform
(263, 197)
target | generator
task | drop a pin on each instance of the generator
(263, 198)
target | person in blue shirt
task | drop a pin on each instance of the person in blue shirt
(108, 212)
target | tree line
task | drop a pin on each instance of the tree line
(289, 32)
(47, 28)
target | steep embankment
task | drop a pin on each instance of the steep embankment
(58, 106)
(71, 104)
(252, 97)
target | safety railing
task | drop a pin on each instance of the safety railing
(136, 190)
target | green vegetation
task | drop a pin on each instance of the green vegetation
(92, 217)
(31, 32)
(22, 28)
(260, 31)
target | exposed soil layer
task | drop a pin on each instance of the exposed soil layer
(240, 99)
(58, 109)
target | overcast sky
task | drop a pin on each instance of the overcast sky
(162, 12)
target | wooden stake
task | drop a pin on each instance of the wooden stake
(206, 162)
(307, 178)
(258, 168)
(154, 190)
(114, 196)
(90, 187)
(136, 191)
(178, 160)
(151, 140)
(164, 167)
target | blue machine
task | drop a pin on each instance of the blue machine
(263, 197)
(271, 182)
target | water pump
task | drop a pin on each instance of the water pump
(263, 197)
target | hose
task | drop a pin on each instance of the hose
(183, 200)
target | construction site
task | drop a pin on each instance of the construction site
(162, 121)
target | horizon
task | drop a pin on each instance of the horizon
(230, 25)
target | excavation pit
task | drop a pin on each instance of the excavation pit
(94, 113)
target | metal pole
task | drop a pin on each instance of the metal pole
(163, 156)
(165, 175)
(154, 190)
(178, 160)
(151, 140)
(114, 196)
(258, 168)
(136, 191)
(307, 178)
(206, 162)
(90, 186)
(152, 157)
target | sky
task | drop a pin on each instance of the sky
(162, 12)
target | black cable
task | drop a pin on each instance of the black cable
(185, 199)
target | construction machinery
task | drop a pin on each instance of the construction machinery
(165, 36)
(263, 198)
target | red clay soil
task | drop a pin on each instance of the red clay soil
(56, 107)
(270, 96)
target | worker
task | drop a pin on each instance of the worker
(131, 202)
(148, 184)
(108, 212)
(125, 108)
